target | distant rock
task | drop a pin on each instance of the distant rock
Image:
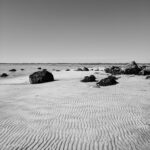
(90, 78)
(4, 75)
(113, 70)
(67, 69)
(12, 70)
(110, 80)
(147, 77)
(85, 69)
(41, 77)
(78, 69)
(39, 68)
(96, 69)
(145, 71)
(22, 69)
(131, 68)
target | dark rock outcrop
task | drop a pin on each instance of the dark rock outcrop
(132, 68)
(145, 71)
(41, 77)
(90, 78)
(110, 80)
(4, 75)
(85, 69)
(113, 70)
(12, 70)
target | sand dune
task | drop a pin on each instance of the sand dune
(69, 115)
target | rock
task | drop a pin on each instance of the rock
(67, 69)
(39, 68)
(113, 70)
(12, 70)
(147, 77)
(4, 75)
(110, 80)
(96, 69)
(145, 71)
(85, 69)
(21, 69)
(41, 77)
(131, 68)
(90, 78)
(78, 69)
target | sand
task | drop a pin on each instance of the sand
(70, 115)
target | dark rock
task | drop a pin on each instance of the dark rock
(147, 77)
(67, 69)
(110, 80)
(113, 70)
(85, 69)
(57, 70)
(21, 69)
(145, 71)
(4, 75)
(39, 68)
(90, 78)
(12, 70)
(131, 68)
(78, 69)
(41, 77)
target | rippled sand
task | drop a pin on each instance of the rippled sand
(70, 115)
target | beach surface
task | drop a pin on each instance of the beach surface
(67, 114)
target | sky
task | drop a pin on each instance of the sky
(46, 31)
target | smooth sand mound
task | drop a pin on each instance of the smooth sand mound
(69, 115)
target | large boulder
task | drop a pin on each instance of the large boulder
(110, 80)
(131, 68)
(4, 75)
(90, 78)
(145, 71)
(41, 77)
(113, 70)
(85, 69)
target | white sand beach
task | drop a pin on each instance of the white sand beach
(71, 115)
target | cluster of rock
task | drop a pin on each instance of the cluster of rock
(41, 77)
(82, 69)
(131, 68)
(90, 78)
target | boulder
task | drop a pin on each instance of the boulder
(132, 68)
(147, 77)
(90, 78)
(21, 69)
(12, 70)
(4, 75)
(113, 70)
(110, 80)
(85, 69)
(39, 68)
(41, 77)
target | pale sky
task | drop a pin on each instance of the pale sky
(74, 31)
